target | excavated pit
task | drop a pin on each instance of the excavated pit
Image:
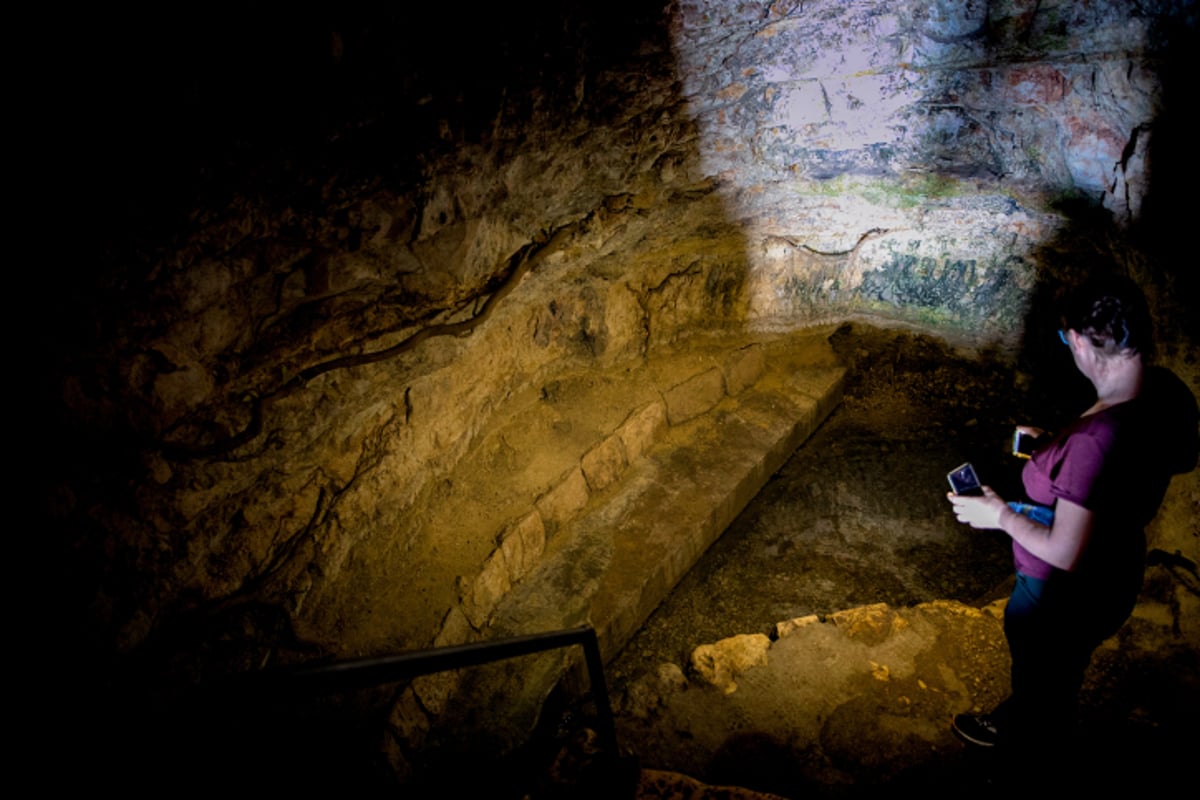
(890, 609)
(858, 514)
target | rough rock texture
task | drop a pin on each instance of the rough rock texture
(911, 159)
(863, 700)
(721, 662)
(333, 253)
(910, 670)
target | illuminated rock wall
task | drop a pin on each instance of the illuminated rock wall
(904, 158)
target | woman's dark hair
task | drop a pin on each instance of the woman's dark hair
(1113, 314)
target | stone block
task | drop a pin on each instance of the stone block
(603, 464)
(871, 624)
(720, 663)
(823, 386)
(790, 626)
(743, 368)
(641, 428)
(406, 729)
(407, 720)
(455, 629)
(564, 501)
(490, 585)
(694, 396)
(434, 690)
(523, 543)
(646, 695)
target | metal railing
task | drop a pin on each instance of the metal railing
(367, 672)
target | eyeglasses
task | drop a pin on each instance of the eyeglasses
(1062, 337)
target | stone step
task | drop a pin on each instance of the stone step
(618, 561)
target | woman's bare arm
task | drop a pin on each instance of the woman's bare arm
(1059, 545)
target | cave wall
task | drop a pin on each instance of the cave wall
(905, 158)
(332, 245)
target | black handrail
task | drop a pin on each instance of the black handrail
(366, 672)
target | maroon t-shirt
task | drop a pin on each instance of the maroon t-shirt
(1117, 463)
(1085, 465)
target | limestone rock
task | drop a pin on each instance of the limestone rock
(602, 465)
(720, 663)
(407, 721)
(650, 692)
(481, 595)
(859, 711)
(641, 428)
(869, 624)
(662, 783)
(743, 368)
(694, 396)
(790, 626)
(523, 545)
(563, 501)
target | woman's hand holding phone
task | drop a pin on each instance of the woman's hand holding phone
(979, 511)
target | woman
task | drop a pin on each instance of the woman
(1080, 548)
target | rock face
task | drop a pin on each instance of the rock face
(334, 251)
(899, 157)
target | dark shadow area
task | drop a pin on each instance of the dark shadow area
(228, 118)
(1165, 228)
(206, 746)
(200, 104)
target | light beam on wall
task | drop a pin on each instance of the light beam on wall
(905, 159)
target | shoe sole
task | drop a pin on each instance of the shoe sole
(970, 739)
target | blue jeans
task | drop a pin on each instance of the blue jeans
(1052, 626)
(1049, 658)
(1026, 595)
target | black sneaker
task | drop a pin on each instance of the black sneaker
(977, 729)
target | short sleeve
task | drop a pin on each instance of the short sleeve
(1079, 473)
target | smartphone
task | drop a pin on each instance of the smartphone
(963, 480)
(1022, 444)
